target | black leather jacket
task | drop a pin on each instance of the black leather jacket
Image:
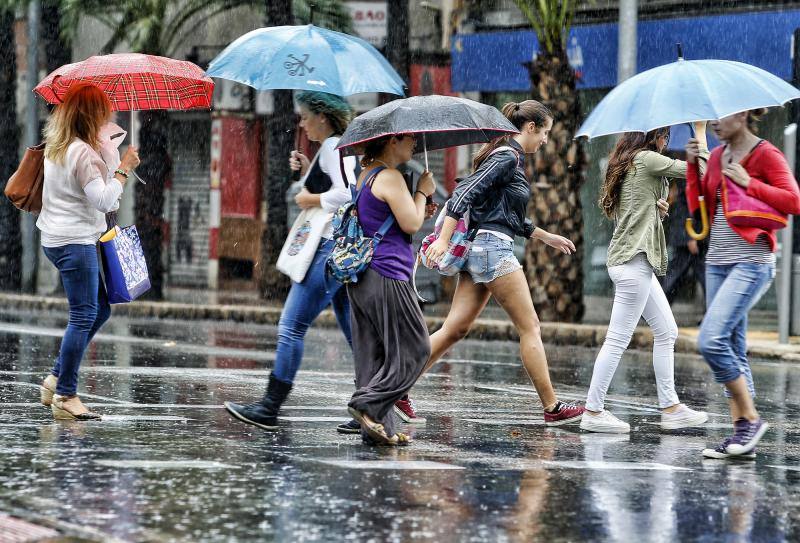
(496, 195)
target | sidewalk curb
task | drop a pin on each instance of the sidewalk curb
(553, 333)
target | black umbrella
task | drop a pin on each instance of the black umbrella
(437, 121)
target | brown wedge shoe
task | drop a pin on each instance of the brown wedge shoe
(71, 408)
(47, 389)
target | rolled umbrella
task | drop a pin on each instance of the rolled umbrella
(685, 91)
(306, 58)
(437, 121)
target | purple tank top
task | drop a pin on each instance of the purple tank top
(394, 256)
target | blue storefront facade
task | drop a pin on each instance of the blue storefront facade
(493, 63)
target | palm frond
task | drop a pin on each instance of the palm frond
(182, 31)
(331, 14)
(551, 20)
(176, 30)
(160, 26)
(106, 12)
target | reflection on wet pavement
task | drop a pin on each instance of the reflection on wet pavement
(168, 464)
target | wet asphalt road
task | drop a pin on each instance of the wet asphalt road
(168, 464)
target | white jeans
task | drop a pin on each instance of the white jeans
(637, 294)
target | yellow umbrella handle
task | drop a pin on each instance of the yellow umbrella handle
(703, 234)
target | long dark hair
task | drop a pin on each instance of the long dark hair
(529, 111)
(620, 162)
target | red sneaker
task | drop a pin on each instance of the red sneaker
(405, 410)
(564, 413)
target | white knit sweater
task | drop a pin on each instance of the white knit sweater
(68, 215)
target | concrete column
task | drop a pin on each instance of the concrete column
(785, 285)
(30, 235)
(627, 44)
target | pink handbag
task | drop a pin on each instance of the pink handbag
(744, 210)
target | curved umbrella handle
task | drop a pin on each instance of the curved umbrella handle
(703, 234)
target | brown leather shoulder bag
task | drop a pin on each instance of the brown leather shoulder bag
(24, 187)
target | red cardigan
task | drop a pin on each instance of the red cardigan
(771, 181)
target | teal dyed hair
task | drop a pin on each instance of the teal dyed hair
(335, 108)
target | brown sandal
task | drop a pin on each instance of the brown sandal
(374, 429)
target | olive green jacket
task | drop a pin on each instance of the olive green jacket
(638, 227)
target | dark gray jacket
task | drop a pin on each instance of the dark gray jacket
(496, 195)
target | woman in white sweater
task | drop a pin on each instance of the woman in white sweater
(83, 179)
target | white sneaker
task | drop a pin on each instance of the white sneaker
(605, 423)
(683, 418)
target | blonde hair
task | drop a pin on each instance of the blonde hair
(82, 113)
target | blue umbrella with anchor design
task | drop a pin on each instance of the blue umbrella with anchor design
(306, 58)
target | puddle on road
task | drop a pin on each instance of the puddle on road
(169, 460)
(411, 465)
(163, 464)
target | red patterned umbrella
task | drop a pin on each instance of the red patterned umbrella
(134, 82)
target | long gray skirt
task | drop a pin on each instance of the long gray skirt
(390, 344)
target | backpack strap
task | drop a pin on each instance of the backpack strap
(370, 178)
(384, 228)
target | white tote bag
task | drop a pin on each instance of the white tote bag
(302, 242)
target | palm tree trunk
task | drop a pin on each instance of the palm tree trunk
(57, 50)
(156, 170)
(397, 37)
(555, 279)
(10, 236)
(273, 285)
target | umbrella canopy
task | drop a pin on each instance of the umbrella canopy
(441, 121)
(306, 58)
(685, 91)
(134, 82)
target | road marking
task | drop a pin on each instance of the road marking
(162, 343)
(163, 464)
(603, 465)
(83, 394)
(315, 419)
(137, 418)
(785, 468)
(386, 464)
(507, 422)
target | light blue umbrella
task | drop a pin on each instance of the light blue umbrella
(685, 91)
(306, 58)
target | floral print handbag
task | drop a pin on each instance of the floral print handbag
(124, 266)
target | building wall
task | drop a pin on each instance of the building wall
(187, 209)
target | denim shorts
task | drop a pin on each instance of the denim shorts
(490, 258)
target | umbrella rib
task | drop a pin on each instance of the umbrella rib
(769, 91)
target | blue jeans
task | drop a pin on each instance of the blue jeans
(305, 302)
(731, 291)
(88, 308)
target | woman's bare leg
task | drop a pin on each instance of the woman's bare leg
(469, 300)
(511, 292)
